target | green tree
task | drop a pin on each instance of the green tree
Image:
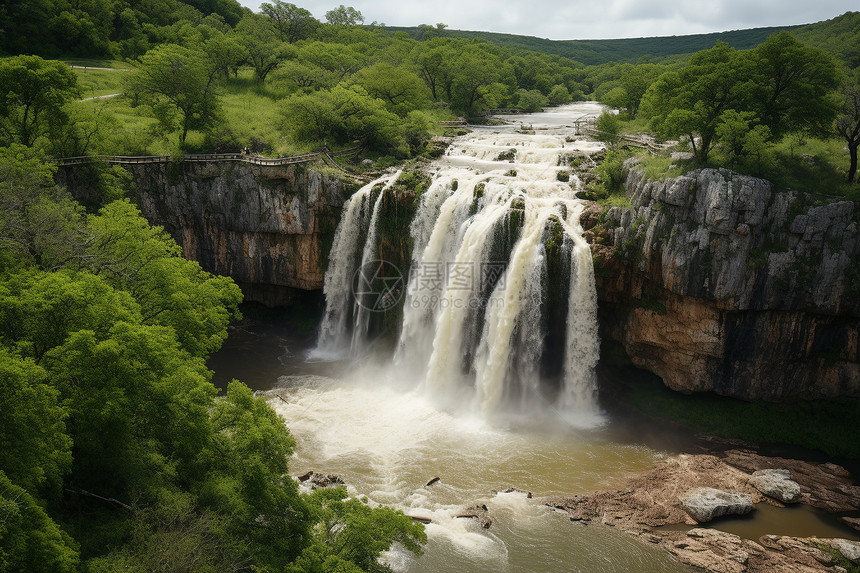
(351, 531)
(796, 82)
(473, 86)
(530, 100)
(39, 224)
(742, 138)
(342, 115)
(241, 472)
(225, 54)
(171, 290)
(400, 89)
(338, 60)
(559, 95)
(608, 127)
(29, 539)
(33, 95)
(35, 451)
(344, 16)
(265, 51)
(293, 23)
(691, 101)
(177, 85)
(137, 407)
(435, 62)
(848, 121)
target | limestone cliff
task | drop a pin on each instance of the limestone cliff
(267, 227)
(716, 282)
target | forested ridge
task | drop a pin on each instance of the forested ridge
(116, 451)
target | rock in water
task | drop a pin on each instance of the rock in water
(479, 512)
(777, 484)
(704, 504)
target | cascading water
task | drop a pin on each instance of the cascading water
(336, 331)
(498, 257)
(517, 334)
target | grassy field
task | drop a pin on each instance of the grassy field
(250, 118)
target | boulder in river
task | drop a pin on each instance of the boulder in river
(705, 503)
(479, 512)
(316, 480)
(777, 483)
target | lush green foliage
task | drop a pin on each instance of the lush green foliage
(848, 121)
(33, 94)
(176, 84)
(116, 452)
(743, 99)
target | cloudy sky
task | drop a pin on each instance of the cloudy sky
(584, 19)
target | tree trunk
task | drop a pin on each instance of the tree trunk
(852, 170)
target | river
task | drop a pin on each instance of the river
(491, 387)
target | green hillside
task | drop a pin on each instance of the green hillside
(839, 36)
(591, 52)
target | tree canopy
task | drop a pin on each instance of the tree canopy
(116, 451)
(33, 96)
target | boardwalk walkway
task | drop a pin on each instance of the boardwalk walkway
(197, 157)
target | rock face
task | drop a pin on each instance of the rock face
(645, 502)
(705, 504)
(267, 227)
(777, 484)
(721, 552)
(716, 282)
(850, 549)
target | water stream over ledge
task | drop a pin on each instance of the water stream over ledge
(468, 395)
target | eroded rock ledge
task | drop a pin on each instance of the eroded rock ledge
(644, 503)
(716, 282)
(267, 227)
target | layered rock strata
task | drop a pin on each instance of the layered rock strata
(716, 282)
(267, 227)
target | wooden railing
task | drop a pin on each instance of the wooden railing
(245, 158)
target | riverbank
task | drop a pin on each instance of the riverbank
(658, 506)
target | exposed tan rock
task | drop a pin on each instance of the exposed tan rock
(646, 501)
(825, 486)
(655, 498)
(706, 503)
(722, 552)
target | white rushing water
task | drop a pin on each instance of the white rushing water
(490, 386)
(476, 311)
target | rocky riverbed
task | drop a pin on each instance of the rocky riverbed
(690, 489)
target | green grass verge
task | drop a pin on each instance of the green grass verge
(827, 426)
(100, 82)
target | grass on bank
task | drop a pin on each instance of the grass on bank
(94, 83)
(800, 163)
(823, 425)
(250, 112)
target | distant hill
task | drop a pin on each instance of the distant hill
(625, 50)
(840, 36)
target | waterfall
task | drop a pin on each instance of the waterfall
(335, 334)
(500, 309)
